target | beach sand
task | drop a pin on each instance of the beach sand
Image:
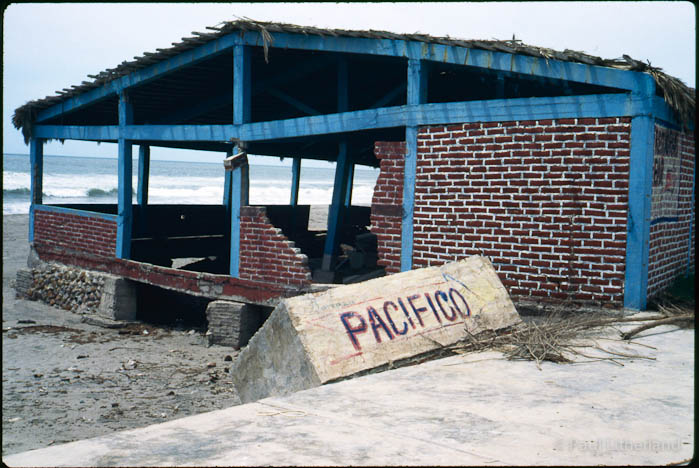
(64, 380)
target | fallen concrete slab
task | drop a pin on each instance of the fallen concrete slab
(476, 409)
(318, 338)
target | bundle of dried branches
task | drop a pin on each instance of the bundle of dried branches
(565, 339)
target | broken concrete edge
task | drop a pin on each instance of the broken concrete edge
(324, 337)
(274, 363)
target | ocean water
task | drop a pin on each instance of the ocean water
(94, 180)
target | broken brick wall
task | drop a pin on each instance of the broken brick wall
(387, 203)
(266, 254)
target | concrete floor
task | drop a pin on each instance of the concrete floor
(477, 409)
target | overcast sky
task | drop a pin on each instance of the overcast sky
(48, 47)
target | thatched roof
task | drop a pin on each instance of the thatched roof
(680, 97)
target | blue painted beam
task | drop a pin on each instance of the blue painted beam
(417, 94)
(239, 178)
(241, 84)
(639, 212)
(292, 101)
(227, 187)
(77, 132)
(390, 96)
(342, 169)
(337, 207)
(350, 184)
(496, 110)
(154, 71)
(36, 161)
(640, 198)
(226, 98)
(662, 111)
(73, 211)
(295, 181)
(577, 72)
(143, 174)
(200, 108)
(499, 61)
(125, 168)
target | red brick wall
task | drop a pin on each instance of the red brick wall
(266, 254)
(78, 233)
(669, 240)
(387, 203)
(545, 200)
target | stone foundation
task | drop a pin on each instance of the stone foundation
(63, 287)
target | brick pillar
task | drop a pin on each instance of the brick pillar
(387, 203)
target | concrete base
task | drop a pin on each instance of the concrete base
(275, 363)
(119, 299)
(318, 338)
(232, 323)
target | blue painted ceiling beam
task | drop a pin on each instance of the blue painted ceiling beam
(292, 101)
(498, 61)
(390, 96)
(258, 87)
(606, 105)
(501, 61)
(151, 72)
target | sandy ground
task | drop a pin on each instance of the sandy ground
(63, 380)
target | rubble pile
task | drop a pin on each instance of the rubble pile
(68, 288)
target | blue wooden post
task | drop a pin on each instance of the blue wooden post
(417, 94)
(36, 160)
(337, 208)
(336, 214)
(125, 162)
(640, 200)
(350, 184)
(143, 174)
(239, 175)
(295, 181)
(227, 185)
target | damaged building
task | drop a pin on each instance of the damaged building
(574, 174)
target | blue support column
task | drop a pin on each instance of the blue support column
(295, 181)
(36, 160)
(227, 185)
(350, 184)
(417, 94)
(337, 208)
(638, 222)
(125, 162)
(143, 174)
(640, 200)
(239, 176)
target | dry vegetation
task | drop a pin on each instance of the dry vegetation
(567, 338)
